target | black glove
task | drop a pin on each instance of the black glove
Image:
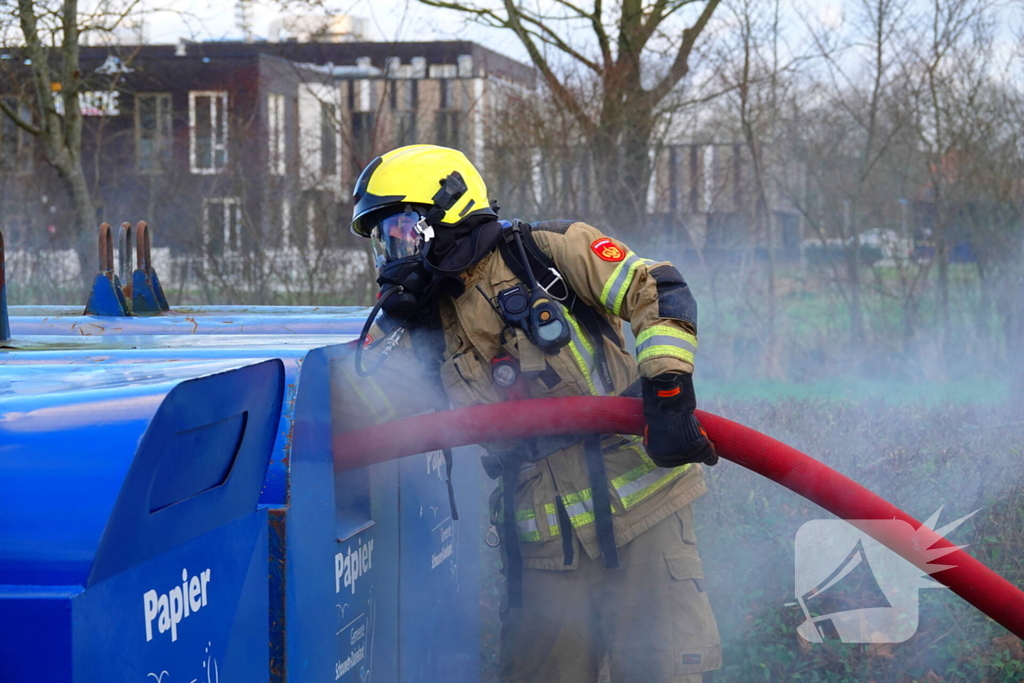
(673, 436)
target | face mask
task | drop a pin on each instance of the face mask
(403, 248)
(396, 237)
(408, 289)
(411, 275)
(396, 250)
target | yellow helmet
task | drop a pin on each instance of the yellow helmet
(413, 175)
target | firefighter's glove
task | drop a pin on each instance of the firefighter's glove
(673, 437)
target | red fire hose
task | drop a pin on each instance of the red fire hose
(969, 578)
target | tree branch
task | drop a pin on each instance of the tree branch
(558, 89)
(552, 38)
(602, 36)
(18, 120)
(50, 123)
(514, 23)
(654, 20)
(70, 79)
(681, 65)
(489, 17)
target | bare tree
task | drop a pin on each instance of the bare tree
(607, 82)
(952, 68)
(757, 88)
(872, 45)
(47, 34)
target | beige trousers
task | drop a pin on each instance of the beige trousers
(651, 616)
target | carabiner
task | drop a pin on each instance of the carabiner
(492, 532)
(558, 278)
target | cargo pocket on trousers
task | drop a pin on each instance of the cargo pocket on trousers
(698, 647)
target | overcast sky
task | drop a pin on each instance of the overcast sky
(411, 20)
(387, 19)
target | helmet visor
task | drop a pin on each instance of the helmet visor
(395, 237)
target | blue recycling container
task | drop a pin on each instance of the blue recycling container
(246, 320)
(370, 578)
(380, 582)
(131, 543)
(172, 505)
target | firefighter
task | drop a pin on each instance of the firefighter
(597, 533)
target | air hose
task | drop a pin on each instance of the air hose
(364, 335)
(970, 579)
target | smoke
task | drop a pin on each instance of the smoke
(919, 456)
(920, 406)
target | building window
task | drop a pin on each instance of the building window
(363, 122)
(15, 142)
(405, 128)
(448, 115)
(404, 95)
(152, 132)
(362, 137)
(328, 139)
(448, 128)
(208, 131)
(446, 95)
(222, 225)
(361, 95)
(99, 103)
(276, 134)
(312, 222)
(404, 104)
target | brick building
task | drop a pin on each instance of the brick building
(239, 148)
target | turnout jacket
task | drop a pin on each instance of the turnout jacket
(619, 285)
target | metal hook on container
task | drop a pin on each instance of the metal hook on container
(107, 297)
(106, 245)
(146, 292)
(144, 247)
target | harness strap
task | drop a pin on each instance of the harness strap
(602, 501)
(431, 336)
(542, 267)
(565, 523)
(552, 281)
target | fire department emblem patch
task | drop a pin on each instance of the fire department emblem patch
(607, 250)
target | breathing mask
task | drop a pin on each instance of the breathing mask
(395, 237)
(401, 272)
(402, 239)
